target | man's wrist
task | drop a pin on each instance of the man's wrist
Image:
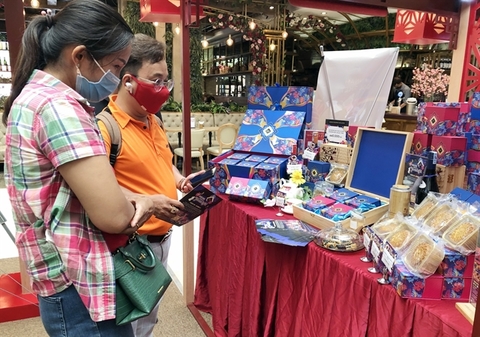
(179, 184)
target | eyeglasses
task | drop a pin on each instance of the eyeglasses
(159, 84)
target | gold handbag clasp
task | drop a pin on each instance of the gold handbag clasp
(130, 263)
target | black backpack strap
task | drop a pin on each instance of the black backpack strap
(114, 131)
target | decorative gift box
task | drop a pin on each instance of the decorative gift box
(377, 164)
(317, 171)
(342, 195)
(237, 188)
(473, 161)
(317, 203)
(440, 119)
(229, 161)
(421, 143)
(238, 156)
(256, 158)
(457, 288)
(270, 173)
(248, 190)
(450, 149)
(474, 126)
(337, 210)
(359, 200)
(282, 98)
(473, 182)
(264, 171)
(461, 194)
(408, 285)
(455, 264)
(267, 131)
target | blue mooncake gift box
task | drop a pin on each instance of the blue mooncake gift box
(269, 131)
(282, 98)
(342, 195)
(360, 200)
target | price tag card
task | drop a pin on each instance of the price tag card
(280, 199)
(367, 238)
(388, 256)
(308, 154)
(294, 167)
(377, 247)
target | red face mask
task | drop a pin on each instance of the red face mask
(149, 97)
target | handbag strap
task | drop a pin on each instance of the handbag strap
(141, 256)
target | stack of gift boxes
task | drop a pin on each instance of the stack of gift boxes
(268, 136)
(443, 127)
(453, 130)
(473, 153)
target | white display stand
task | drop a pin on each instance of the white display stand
(354, 85)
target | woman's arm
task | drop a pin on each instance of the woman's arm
(93, 182)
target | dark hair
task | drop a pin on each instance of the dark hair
(397, 80)
(144, 49)
(91, 23)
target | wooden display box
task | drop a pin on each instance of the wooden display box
(336, 153)
(377, 164)
(449, 177)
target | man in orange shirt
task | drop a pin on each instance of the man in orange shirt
(144, 164)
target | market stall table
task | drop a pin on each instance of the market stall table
(253, 288)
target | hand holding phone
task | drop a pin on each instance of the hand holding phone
(201, 178)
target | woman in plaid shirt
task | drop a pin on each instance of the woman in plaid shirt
(64, 195)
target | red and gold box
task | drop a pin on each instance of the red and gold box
(421, 143)
(451, 150)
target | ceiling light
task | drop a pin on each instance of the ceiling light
(177, 29)
(35, 3)
(155, 24)
(271, 7)
(272, 46)
(284, 34)
(229, 41)
(252, 25)
(324, 13)
(204, 42)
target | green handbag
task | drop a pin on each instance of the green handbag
(141, 280)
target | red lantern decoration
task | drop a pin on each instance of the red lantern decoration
(165, 11)
(421, 28)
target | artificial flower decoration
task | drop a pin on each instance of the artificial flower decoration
(296, 177)
(313, 23)
(255, 36)
(428, 81)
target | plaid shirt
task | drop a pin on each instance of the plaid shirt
(48, 126)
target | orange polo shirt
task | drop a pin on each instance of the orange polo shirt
(144, 164)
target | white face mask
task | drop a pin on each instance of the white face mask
(97, 91)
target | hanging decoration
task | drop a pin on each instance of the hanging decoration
(256, 37)
(311, 22)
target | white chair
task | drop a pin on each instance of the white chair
(226, 136)
(197, 147)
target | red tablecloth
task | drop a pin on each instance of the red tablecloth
(253, 288)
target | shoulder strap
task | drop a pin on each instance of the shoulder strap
(160, 122)
(114, 131)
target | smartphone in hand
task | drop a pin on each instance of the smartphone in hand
(201, 178)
